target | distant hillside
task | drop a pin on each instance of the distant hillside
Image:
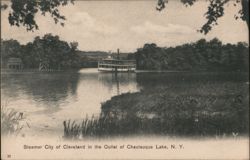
(92, 53)
(101, 54)
(121, 55)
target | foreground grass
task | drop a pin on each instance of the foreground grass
(198, 110)
(10, 121)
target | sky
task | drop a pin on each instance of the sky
(128, 25)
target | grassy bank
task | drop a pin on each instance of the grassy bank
(201, 110)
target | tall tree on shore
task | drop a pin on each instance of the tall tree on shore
(10, 48)
(53, 53)
(47, 52)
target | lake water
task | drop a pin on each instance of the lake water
(47, 99)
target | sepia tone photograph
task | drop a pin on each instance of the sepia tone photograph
(124, 79)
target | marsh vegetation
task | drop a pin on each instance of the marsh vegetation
(207, 107)
(11, 121)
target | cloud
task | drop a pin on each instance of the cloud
(81, 18)
(87, 23)
(102, 26)
(150, 28)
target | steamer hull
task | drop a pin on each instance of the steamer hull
(113, 65)
(103, 69)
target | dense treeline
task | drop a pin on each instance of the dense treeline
(201, 55)
(48, 52)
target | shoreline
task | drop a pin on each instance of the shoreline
(136, 71)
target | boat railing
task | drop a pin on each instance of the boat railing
(117, 62)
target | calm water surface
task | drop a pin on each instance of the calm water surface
(47, 99)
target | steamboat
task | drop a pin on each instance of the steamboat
(112, 64)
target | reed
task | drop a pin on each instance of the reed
(185, 116)
(10, 121)
(196, 109)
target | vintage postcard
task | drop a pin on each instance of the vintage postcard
(124, 79)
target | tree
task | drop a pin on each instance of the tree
(215, 11)
(199, 56)
(24, 11)
(48, 52)
(30, 58)
(52, 52)
(9, 48)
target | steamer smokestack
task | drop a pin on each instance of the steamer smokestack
(118, 53)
